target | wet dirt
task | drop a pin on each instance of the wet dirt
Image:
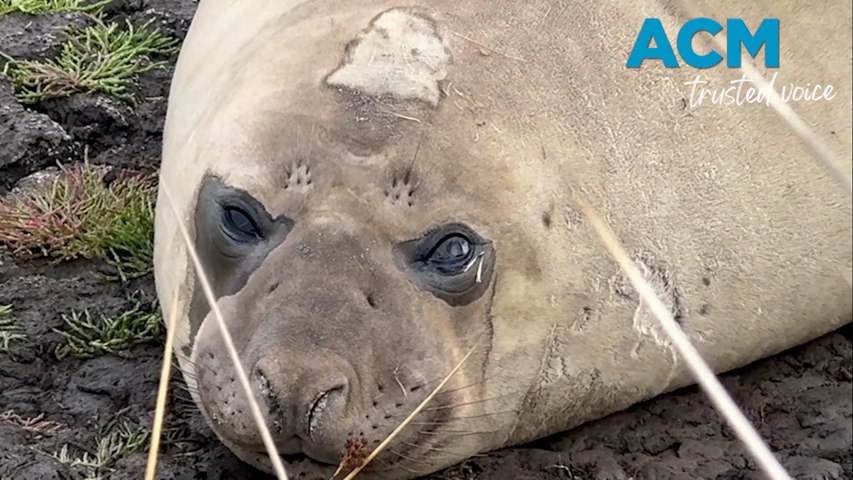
(801, 401)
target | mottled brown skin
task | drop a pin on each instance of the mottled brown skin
(355, 135)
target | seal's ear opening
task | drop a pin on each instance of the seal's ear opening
(452, 262)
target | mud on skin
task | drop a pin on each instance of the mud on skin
(799, 400)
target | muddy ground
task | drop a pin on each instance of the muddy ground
(800, 400)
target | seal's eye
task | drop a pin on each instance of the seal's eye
(239, 225)
(453, 262)
(451, 254)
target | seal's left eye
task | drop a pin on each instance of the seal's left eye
(452, 262)
(451, 255)
(239, 225)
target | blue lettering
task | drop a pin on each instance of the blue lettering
(737, 36)
(652, 29)
(685, 40)
(767, 34)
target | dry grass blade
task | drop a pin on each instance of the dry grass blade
(700, 370)
(411, 416)
(160, 411)
(813, 142)
(272, 451)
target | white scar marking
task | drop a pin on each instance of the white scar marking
(645, 323)
(555, 365)
(644, 320)
(401, 55)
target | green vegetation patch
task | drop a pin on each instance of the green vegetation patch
(122, 442)
(101, 58)
(9, 330)
(50, 6)
(79, 215)
(87, 336)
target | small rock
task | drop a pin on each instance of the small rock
(36, 37)
(28, 140)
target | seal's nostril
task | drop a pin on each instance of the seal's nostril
(318, 407)
(371, 300)
(264, 387)
(273, 286)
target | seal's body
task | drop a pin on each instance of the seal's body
(376, 189)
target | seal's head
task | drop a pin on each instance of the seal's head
(350, 235)
(346, 307)
(343, 324)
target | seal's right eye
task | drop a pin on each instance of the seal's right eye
(239, 225)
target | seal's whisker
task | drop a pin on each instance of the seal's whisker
(445, 451)
(188, 383)
(187, 388)
(312, 134)
(482, 415)
(446, 407)
(272, 451)
(426, 447)
(162, 390)
(463, 387)
(189, 360)
(190, 371)
(187, 372)
(481, 400)
(463, 404)
(184, 384)
(388, 466)
(407, 458)
(184, 387)
(433, 458)
(457, 433)
(465, 417)
(400, 383)
(298, 143)
(397, 465)
(703, 374)
(456, 389)
(384, 444)
(408, 175)
(203, 365)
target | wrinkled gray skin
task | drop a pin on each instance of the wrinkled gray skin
(323, 155)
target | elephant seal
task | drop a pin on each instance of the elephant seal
(374, 187)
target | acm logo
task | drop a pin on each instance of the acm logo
(738, 36)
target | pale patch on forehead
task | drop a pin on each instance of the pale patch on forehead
(402, 54)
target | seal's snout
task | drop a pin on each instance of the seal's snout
(305, 403)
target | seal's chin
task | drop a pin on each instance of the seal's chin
(297, 465)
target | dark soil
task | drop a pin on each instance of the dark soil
(801, 401)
